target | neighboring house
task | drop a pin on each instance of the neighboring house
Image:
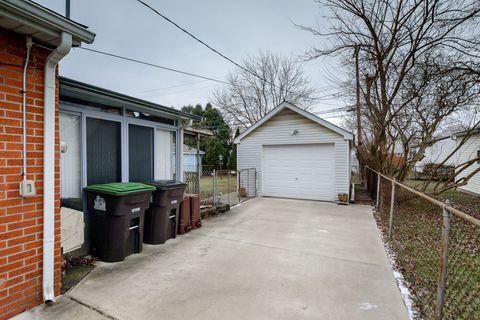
(296, 155)
(30, 253)
(397, 159)
(192, 160)
(193, 156)
(470, 150)
(105, 137)
(438, 153)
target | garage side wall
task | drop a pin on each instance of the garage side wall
(278, 131)
(342, 167)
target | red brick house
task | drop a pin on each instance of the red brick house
(32, 41)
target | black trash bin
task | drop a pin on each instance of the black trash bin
(161, 219)
(117, 212)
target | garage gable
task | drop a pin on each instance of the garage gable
(290, 116)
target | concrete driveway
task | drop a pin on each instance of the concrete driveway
(266, 259)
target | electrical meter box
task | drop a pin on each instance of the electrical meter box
(27, 188)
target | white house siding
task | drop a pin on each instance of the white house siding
(277, 131)
(466, 152)
(437, 153)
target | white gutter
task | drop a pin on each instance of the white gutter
(49, 165)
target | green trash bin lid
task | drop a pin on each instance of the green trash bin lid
(120, 188)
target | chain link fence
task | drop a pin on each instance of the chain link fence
(220, 187)
(226, 187)
(247, 183)
(435, 246)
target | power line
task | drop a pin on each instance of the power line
(210, 47)
(169, 87)
(195, 38)
(176, 92)
(331, 95)
(152, 65)
(341, 109)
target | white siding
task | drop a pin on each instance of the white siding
(437, 153)
(466, 152)
(342, 167)
(277, 131)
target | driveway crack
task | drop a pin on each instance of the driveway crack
(97, 310)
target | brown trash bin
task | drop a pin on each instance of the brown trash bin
(161, 219)
(184, 224)
(195, 218)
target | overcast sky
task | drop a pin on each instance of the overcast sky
(235, 28)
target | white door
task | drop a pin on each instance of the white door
(299, 171)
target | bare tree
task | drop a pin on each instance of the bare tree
(419, 60)
(264, 82)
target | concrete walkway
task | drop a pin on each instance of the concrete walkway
(266, 259)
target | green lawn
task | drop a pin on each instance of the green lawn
(466, 202)
(225, 184)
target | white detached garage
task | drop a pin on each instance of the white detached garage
(296, 155)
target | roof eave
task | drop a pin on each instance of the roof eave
(44, 20)
(465, 132)
(69, 86)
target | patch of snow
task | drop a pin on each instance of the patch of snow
(402, 284)
(368, 306)
(237, 205)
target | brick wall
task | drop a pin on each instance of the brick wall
(21, 220)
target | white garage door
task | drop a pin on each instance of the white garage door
(299, 171)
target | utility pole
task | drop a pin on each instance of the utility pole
(357, 78)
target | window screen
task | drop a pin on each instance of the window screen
(70, 157)
(165, 151)
(140, 150)
(103, 151)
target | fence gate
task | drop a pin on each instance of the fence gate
(217, 187)
(247, 183)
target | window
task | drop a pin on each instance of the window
(103, 148)
(140, 150)
(104, 160)
(165, 144)
(70, 160)
(478, 156)
(149, 117)
(89, 105)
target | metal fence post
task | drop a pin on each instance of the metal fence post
(214, 185)
(442, 277)
(392, 201)
(255, 181)
(228, 187)
(249, 183)
(239, 173)
(377, 204)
